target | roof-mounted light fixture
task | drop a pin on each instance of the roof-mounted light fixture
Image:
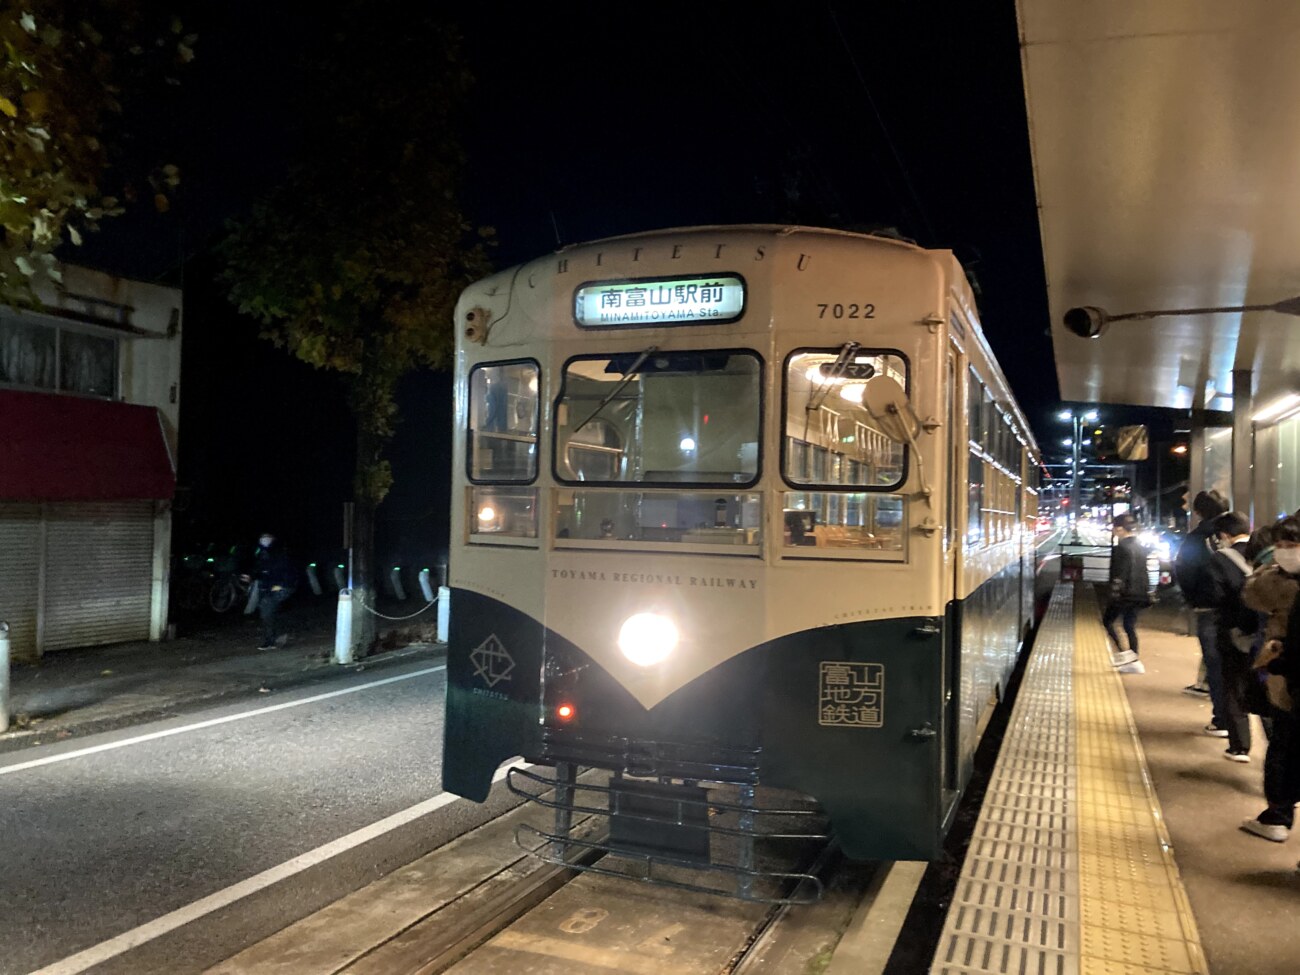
(1089, 321)
(1278, 409)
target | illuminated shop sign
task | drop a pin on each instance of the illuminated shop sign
(715, 300)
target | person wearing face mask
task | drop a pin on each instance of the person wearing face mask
(1272, 591)
(276, 581)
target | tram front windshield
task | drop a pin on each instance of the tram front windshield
(685, 424)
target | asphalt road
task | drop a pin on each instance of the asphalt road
(118, 853)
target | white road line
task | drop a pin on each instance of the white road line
(102, 952)
(168, 732)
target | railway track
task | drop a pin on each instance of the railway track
(481, 906)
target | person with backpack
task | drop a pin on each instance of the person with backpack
(1129, 593)
(1191, 572)
(1235, 628)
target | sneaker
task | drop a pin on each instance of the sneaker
(1214, 731)
(267, 646)
(1132, 667)
(1197, 690)
(1232, 756)
(1269, 831)
(1124, 657)
(282, 640)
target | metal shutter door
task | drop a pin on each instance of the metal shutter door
(20, 570)
(99, 573)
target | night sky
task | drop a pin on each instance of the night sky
(589, 120)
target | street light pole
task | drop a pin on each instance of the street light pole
(1076, 462)
(1076, 446)
(1159, 456)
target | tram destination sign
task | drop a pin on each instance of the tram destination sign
(714, 300)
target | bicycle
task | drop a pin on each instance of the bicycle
(228, 590)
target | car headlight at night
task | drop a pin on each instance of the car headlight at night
(647, 638)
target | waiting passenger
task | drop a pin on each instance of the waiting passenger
(1191, 571)
(1129, 593)
(1235, 626)
(1272, 591)
(1259, 550)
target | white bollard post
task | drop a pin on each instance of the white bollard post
(396, 578)
(313, 579)
(426, 586)
(444, 613)
(4, 676)
(343, 629)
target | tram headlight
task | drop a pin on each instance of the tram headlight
(647, 638)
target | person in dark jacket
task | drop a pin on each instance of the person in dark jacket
(1191, 567)
(276, 580)
(1235, 627)
(1129, 592)
(1273, 591)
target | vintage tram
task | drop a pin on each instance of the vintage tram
(735, 508)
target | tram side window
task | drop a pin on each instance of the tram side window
(503, 422)
(975, 489)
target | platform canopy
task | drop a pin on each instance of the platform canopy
(1166, 145)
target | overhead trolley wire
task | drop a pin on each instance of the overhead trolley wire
(742, 75)
(884, 131)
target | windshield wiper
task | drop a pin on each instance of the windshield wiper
(637, 363)
(817, 395)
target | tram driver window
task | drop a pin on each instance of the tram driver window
(659, 417)
(651, 446)
(840, 464)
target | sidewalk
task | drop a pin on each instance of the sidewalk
(80, 692)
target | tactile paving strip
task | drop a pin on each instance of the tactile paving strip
(1069, 871)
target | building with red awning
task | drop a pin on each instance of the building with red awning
(89, 408)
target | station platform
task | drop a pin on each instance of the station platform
(1109, 839)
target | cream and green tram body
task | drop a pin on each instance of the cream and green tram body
(735, 509)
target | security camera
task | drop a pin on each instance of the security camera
(1087, 322)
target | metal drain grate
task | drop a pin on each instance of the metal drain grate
(1016, 906)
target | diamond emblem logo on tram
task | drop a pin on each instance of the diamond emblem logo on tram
(492, 661)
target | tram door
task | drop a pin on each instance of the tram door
(953, 520)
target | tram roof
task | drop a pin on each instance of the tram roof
(1001, 388)
(1166, 151)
